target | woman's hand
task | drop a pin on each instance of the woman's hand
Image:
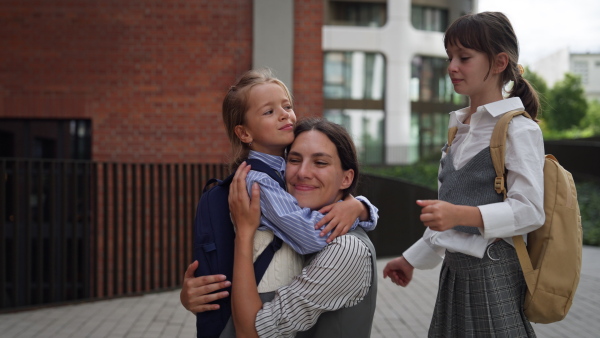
(245, 212)
(197, 292)
(399, 270)
(340, 217)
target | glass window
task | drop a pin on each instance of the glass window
(366, 128)
(353, 91)
(581, 68)
(46, 138)
(432, 98)
(353, 75)
(429, 81)
(357, 13)
(429, 18)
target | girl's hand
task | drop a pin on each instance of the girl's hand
(340, 217)
(399, 270)
(245, 212)
(437, 215)
(440, 216)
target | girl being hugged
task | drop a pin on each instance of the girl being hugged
(482, 289)
(259, 120)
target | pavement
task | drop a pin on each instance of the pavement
(401, 312)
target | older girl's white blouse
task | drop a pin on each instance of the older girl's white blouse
(523, 209)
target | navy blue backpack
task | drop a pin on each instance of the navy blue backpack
(213, 245)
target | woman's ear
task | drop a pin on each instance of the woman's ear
(500, 63)
(347, 179)
(242, 134)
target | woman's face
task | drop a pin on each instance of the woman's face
(314, 173)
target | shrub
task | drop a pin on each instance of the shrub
(588, 195)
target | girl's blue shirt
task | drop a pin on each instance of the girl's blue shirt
(282, 214)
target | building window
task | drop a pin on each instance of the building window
(429, 81)
(353, 91)
(46, 138)
(354, 75)
(581, 68)
(429, 18)
(371, 13)
(432, 98)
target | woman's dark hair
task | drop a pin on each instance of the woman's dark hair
(342, 141)
(491, 33)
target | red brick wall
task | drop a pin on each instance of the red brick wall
(150, 74)
(308, 58)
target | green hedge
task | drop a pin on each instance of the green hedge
(588, 193)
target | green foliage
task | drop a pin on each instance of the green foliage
(591, 120)
(588, 195)
(568, 104)
(540, 86)
(422, 173)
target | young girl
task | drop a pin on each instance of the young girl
(482, 289)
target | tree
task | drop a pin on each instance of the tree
(567, 103)
(540, 86)
(592, 118)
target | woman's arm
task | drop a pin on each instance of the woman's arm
(245, 301)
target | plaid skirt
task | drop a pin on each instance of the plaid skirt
(481, 297)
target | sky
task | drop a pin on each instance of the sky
(545, 26)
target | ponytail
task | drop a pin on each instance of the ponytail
(528, 95)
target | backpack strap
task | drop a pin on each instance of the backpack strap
(262, 262)
(261, 166)
(498, 152)
(498, 148)
(451, 134)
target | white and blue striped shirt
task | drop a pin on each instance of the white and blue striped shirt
(282, 214)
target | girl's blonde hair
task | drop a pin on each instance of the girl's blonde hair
(235, 105)
(491, 33)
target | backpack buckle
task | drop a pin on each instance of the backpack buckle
(499, 184)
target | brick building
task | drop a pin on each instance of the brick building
(136, 80)
(136, 87)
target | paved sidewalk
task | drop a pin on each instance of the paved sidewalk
(401, 312)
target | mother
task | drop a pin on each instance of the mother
(335, 293)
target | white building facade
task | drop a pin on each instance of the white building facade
(385, 77)
(553, 67)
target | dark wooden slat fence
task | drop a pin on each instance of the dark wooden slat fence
(74, 230)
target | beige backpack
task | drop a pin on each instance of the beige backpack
(551, 262)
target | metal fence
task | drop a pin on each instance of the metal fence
(72, 230)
